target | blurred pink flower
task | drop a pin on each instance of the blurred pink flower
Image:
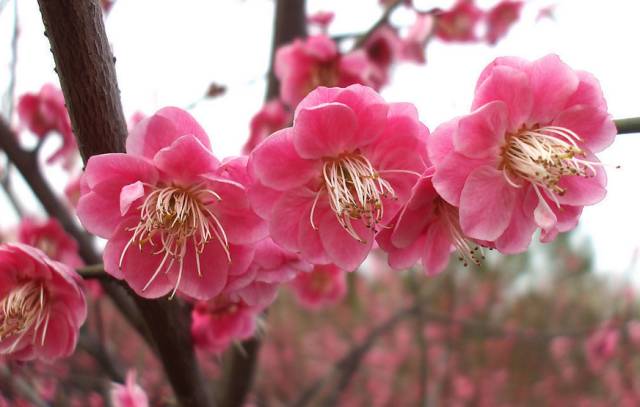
(51, 238)
(347, 164)
(383, 49)
(218, 322)
(322, 19)
(601, 346)
(500, 19)
(41, 305)
(633, 330)
(272, 117)
(524, 157)
(323, 286)
(460, 23)
(175, 217)
(315, 61)
(45, 112)
(130, 394)
(414, 44)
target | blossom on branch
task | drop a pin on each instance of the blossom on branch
(323, 286)
(524, 158)
(41, 305)
(328, 183)
(130, 394)
(176, 218)
(316, 61)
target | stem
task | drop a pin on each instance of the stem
(384, 18)
(85, 65)
(626, 126)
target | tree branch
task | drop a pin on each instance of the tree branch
(109, 365)
(85, 65)
(625, 126)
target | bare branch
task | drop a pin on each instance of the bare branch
(85, 65)
(625, 126)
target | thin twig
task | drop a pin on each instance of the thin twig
(105, 359)
(630, 125)
(384, 18)
(25, 390)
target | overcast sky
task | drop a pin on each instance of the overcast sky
(168, 52)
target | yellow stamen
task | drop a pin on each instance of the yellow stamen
(22, 310)
(173, 216)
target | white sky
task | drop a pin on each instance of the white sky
(168, 52)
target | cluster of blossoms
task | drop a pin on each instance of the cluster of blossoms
(317, 60)
(311, 201)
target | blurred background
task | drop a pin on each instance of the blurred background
(557, 326)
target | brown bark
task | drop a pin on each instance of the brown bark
(85, 65)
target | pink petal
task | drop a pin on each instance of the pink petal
(440, 142)
(244, 228)
(437, 248)
(451, 175)
(129, 194)
(593, 125)
(481, 133)
(276, 164)
(513, 88)
(582, 191)
(161, 130)
(138, 265)
(588, 92)
(342, 249)
(184, 160)
(286, 218)
(326, 130)
(486, 204)
(517, 237)
(552, 82)
(370, 110)
(214, 267)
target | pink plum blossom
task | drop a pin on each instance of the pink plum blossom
(176, 218)
(426, 228)
(345, 167)
(383, 48)
(316, 61)
(272, 117)
(459, 23)
(523, 158)
(324, 285)
(413, 45)
(130, 394)
(601, 346)
(41, 305)
(49, 237)
(218, 322)
(500, 19)
(44, 113)
(322, 19)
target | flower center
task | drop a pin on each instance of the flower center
(173, 216)
(543, 156)
(355, 191)
(468, 252)
(24, 308)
